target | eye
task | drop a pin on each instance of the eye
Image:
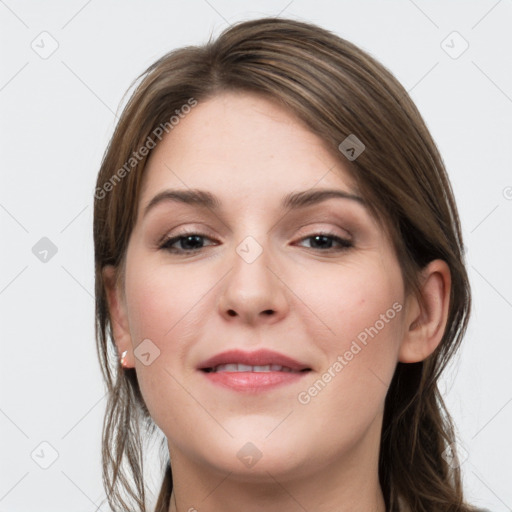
(192, 242)
(324, 242)
(187, 242)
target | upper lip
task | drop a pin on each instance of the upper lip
(260, 357)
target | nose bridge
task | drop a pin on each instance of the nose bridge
(252, 290)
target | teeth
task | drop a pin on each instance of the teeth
(265, 368)
(234, 367)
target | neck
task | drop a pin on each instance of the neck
(349, 484)
(231, 496)
(283, 501)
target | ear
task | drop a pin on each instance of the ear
(425, 325)
(118, 315)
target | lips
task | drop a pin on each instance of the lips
(260, 361)
(252, 372)
(234, 367)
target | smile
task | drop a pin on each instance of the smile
(239, 367)
(252, 372)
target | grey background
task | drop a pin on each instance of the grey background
(57, 114)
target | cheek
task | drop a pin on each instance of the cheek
(161, 301)
(353, 300)
(168, 307)
(361, 313)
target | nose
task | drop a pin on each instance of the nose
(253, 291)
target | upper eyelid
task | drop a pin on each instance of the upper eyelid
(336, 223)
(318, 232)
(344, 244)
(323, 208)
(206, 232)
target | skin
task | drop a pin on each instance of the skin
(309, 301)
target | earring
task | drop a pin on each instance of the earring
(123, 358)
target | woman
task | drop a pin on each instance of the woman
(279, 268)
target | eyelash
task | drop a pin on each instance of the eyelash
(167, 244)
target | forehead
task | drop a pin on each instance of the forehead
(245, 145)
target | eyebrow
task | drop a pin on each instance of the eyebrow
(292, 201)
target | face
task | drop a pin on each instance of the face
(308, 286)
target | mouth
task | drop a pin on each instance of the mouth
(240, 367)
(252, 371)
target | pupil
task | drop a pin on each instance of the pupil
(195, 244)
(315, 238)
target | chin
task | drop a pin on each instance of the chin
(252, 454)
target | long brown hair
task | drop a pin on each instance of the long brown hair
(337, 90)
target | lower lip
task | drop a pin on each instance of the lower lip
(253, 381)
